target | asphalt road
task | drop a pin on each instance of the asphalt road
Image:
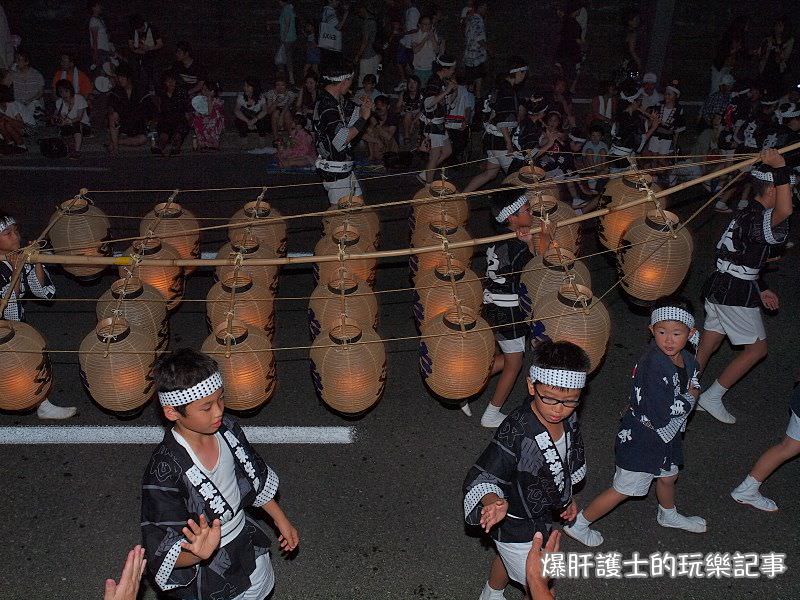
(382, 517)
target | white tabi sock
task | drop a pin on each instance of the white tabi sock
(749, 483)
(489, 593)
(580, 531)
(716, 391)
(711, 402)
(492, 417)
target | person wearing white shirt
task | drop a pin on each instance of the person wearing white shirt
(410, 27)
(99, 41)
(71, 116)
(461, 107)
(650, 95)
(28, 89)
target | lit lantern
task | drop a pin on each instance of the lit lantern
(246, 363)
(544, 206)
(456, 354)
(544, 276)
(175, 225)
(350, 239)
(168, 280)
(80, 229)
(364, 219)
(534, 178)
(251, 247)
(116, 363)
(432, 235)
(620, 190)
(574, 315)
(141, 305)
(345, 294)
(24, 367)
(433, 293)
(264, 222)
(445, 201)
(251, 303)
(651, 262)
(348, 367)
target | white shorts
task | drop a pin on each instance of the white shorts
(500, 157)
(793, 429)
(634, 483)
(659, 145)
(514, 556)
(438, 140)
(262, 580)
(341, 189)
(743, 325)
(512, 346)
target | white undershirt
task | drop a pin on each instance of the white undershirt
(561, 446)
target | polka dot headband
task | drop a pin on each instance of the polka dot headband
(338, 78)
(7, 223)
(571, 380)
(675, 313)
(200, 390)
(512, 208)
(765, 175)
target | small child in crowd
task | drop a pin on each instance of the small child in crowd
(298, 150)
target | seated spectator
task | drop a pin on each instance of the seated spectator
(717, 102)
(368, 91)
(129, 109)
(28, 89)
(144, 42)
(208, 118)
(172, 104)
(307, 98)
(312, 50)
(461, 107)
(11, 124)
(381, 131)
(298, 150)
(251, 109)
(71, 117)
(595, 149)
(190, 74)
(280, 101)
(561, 100)
(409, 106)
(79, 80)
(604, 107)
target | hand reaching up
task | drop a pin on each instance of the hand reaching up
(203, 539)
(128, 586)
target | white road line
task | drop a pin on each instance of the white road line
(76, 434)
(30, 168)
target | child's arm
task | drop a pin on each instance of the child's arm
(289, 538)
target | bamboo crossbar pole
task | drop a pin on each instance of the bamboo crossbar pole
(65, 259)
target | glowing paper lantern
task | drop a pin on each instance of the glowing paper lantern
(250, 248)
(544, 276)
(364, 219)
(345, 294)
(349, 376)
(115, 363)
(24, 367)
(142, 306)
(80, 229)
(650, 260)
(534, 179)
(175, 225)
(456, 353)
(445, 202)
(168, 280)
(246, 362)
(433, 293)
(625, 188)
(544, 206)
(573, 315)
(252, 303)
(264, 222)
(350, 239)
(432, 236)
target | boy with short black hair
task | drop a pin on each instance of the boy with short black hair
(206, 466)
(526, 475)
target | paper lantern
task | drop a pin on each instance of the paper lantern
(344, 294)
(141, 305)
(80, 229)
(116, 363)
(433, 293)
(364, 219)
(456, 353)
(175, 225)
(545, 206)
(264, 222)
(246, 362)
(432, 236)
(168, 280)
(544, 275)
(349, 376)
(533, 178)
(24, 367)
(251, 247)
(574, 315)
(350, 238)
(445, 202)
(252, 303)
(651, 262)
(622, 189)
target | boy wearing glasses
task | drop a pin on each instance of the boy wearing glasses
(525, 477)
(649, 444)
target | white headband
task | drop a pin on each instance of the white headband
(441, 62)
(7, 223)
(768, 176)
(571, 380)
(673, 89)
(338, 78)
(675, 313)
(792, 111)
(576, 139)
(518, 70)
(200, 390)
(633, 97)
(509, 210)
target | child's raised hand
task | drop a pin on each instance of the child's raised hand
(202, 539)
(289, 538)
(493, 513)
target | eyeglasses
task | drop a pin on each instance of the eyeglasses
(554, 401)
